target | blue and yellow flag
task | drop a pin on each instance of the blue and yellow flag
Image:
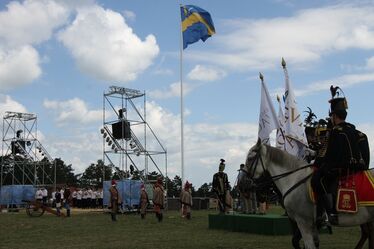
(196, 24)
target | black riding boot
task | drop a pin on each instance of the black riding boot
(160, 217)
(68, 213)
(329, 205)
(188, 216)
(320, 207)
(143, 216)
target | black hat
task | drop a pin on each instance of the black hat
(338, 105)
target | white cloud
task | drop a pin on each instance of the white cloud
(370, 63)
(129, 15)
(345, 81)
(163, 71)
(174, 90)
(18, 67)
(30, 22)
(79, 149)
(302, 38)
(206, 73)
(23, 25)
(205, 144)
(8, 104)
(105, 47)
(73, 110)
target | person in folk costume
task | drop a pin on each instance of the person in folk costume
(342, 156)
(158, 198)
(144, 201)
(221, 187)
(115, 200)
(186, 200)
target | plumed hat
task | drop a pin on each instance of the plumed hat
(114, 182)
(337, 104)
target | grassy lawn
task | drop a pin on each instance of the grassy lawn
(96, 230)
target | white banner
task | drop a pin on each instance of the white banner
(294, 129)
(268, 119)
(280, 132)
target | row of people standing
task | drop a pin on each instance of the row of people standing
(87, 198)
(84, 198)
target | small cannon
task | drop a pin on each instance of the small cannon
(37, 209)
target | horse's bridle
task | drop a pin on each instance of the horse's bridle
(265, 178)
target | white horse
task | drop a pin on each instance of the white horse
(292, 178)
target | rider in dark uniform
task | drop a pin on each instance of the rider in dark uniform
(342, 157)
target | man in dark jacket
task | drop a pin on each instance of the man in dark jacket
(342, 157)
(58, 201)
(67, 199)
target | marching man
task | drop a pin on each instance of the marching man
(186, 200)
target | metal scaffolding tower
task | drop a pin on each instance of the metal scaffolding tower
(129, 143)
(24, 161)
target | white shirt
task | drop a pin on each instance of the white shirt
(39, 194)
(79, 195)
(89, 194)
(45, 193)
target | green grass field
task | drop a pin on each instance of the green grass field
(96, 230)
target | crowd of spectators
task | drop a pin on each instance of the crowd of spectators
(79, 197)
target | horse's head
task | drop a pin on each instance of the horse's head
(255, 164)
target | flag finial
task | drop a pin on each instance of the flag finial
(261, 77)
(283, 63)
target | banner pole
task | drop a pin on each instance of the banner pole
(181, 102)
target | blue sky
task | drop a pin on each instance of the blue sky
(58, 57)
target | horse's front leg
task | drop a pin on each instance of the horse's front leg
(364, 235)
(309, 234)
(296, 235)
(370, 228)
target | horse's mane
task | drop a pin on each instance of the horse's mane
(280, 157)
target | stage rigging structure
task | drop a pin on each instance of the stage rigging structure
(129, 143)
(24, 161)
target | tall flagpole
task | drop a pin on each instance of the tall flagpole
(181, 104)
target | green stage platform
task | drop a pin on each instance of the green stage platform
(269, 224)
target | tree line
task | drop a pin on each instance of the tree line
(93, 176)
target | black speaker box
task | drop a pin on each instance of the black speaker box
(121, 130)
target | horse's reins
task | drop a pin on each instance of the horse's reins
(280, 176)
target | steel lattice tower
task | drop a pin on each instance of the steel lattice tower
(135, 145)
(24, 161)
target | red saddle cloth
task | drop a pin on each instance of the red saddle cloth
(363, 183)
(355, 190)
